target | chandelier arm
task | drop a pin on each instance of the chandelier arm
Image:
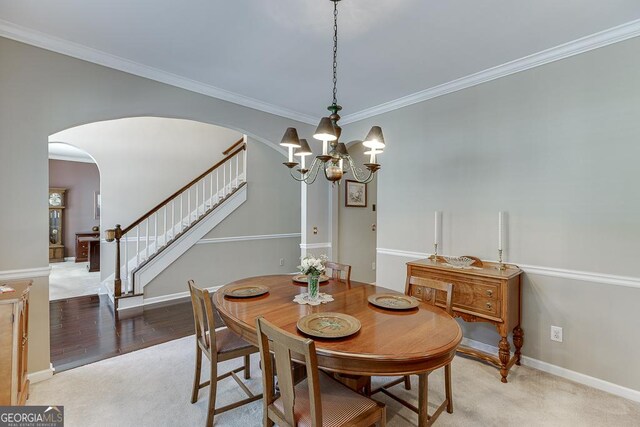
(310, 177)
(358, 173)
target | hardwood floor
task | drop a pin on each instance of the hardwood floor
(84, 330)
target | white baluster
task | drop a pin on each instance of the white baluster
(126, 259)
(146, 247)
(173, 217)
(244, 166)
(155, 235)
(137, 245)
(197, 202)
(237, 168)
(224, 180)
(217, 186)
(181, 211)
(189, 206)
(211, 189)
(164, 230)
(204, 197)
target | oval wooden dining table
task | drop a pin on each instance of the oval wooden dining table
(389, 343)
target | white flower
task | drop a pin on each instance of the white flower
(313, 265)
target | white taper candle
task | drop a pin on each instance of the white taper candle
(302, 159)
(324, 148)
(500, 225)
(436, 232)
(290, 154)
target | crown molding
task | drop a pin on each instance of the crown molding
(85, 53)
(70, 158)
(594, 41)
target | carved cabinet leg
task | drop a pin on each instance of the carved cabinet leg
(518, 341)
(504, 352)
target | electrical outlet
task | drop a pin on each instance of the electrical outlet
(281, 262)
(556, 333)
(373, 265)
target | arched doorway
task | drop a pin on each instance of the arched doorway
(74, 222)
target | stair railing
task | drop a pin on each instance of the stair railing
(154, 231)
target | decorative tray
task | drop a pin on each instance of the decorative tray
(302, 278)
(246, 291)
(329, 325)
(393, 301)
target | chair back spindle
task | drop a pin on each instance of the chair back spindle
(427, 290)
(337, 269)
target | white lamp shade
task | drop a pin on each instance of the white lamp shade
(304, 149)
(374, 139)
(325, 130)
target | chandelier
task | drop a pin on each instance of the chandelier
(335, 160)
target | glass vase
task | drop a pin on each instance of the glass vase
(313, 286)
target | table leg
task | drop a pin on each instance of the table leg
(423, 400)
(504, 352)
(518, 341)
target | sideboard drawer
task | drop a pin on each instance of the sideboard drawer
(481, 298)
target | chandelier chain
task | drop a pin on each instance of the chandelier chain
(335, 52)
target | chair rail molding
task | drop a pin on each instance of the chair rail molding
(583, 276)
(321, 245)
(26, 273)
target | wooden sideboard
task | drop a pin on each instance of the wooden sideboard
(481, 294)
(82, 245)
(14, 344)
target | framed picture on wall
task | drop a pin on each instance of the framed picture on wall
(96, 204)
(355, 194)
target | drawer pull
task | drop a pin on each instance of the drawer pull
(489, 306)
(489, 293)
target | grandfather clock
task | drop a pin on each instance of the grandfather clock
(56, 210)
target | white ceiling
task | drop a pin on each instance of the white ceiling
(278, 53)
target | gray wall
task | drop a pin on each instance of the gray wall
(557, 148)
(81, 181)
(43, 93)
(357, 241)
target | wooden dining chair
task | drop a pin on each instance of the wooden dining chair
(427, 290)
(218, 345)
(338, 269)
(318, 400)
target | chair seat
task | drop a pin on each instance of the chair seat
(339, 403)
(228, 341)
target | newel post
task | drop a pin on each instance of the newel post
(110, 236)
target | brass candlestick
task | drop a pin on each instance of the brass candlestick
(501, 265)
(434, 257)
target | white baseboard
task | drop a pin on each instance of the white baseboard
(131, 303)
(70, 259)
(38, 376)
(565, 373)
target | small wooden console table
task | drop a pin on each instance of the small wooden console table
(482, 294)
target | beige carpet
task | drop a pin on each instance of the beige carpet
(152, 387)
(70, 279)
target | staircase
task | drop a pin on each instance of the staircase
(159, 237)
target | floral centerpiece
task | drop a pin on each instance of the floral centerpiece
(313, 267)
